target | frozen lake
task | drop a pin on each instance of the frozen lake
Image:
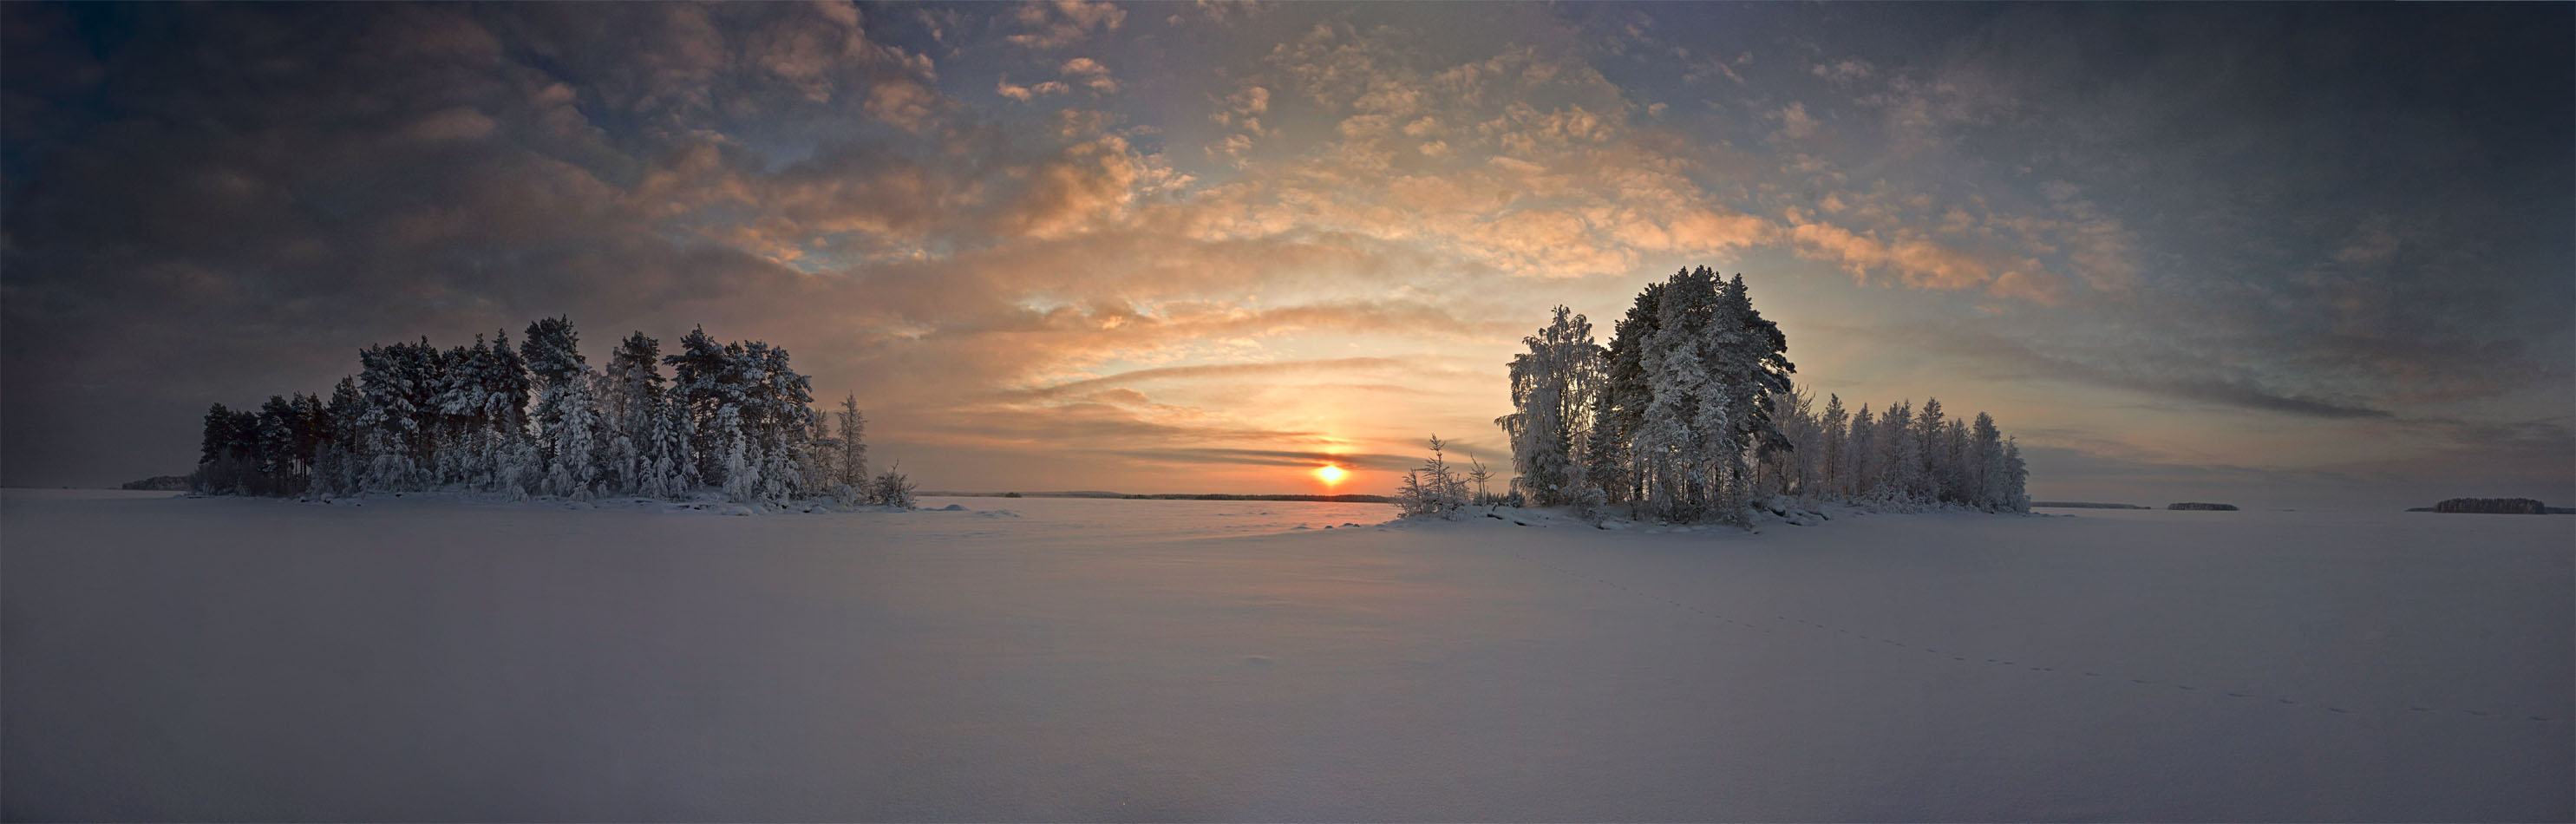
(429, 659)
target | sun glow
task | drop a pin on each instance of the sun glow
(1329, 474)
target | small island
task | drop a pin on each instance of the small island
(2493, 506)
(2203, 506)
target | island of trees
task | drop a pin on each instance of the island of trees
(2493, 506)
(733, 421)
(1689, 414)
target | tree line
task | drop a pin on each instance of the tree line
(1690, 414)
(734, 419)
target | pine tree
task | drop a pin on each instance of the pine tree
(1900, 455)
(1753, 369)
(279, 473)
(1860, 456)
(567, 414)
(1833, 477)
(573, 471)
(675, 455)
(1618, 410)
(343, 416)
(217, 473)
(1687, 427)
(2016, 477)
(1986, 464)
(1928, 423)
(714, 382)
(631, 403)
(1954, 462)
(853, 466)
(389, 418)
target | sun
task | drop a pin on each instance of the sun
(1330, 474)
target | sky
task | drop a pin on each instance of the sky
(2279, 255)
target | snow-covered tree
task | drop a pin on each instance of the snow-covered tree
(1618, 412)
(1986, 471)
(1483, 479)
(892, 488)
(1860, 456)
(631, 408)
(1553, 389)
(850, 470)
(567, 414)
(1831, 446)
(2016, 477)
(417, 417)
(397, 386)
(705, 382)
(1686, 403)
(1434, 490)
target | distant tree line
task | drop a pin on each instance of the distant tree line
(734, 420)
(1690, 414)
(2494, 506)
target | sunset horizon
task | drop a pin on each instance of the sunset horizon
(1211, 248)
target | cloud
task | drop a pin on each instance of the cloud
(1060, 23)
(1302, 459)
(2189, 379)
(1844, 71)
(459, 123)
(279, 185)
(1231, 370)
(1089, 74)
(1794, 122)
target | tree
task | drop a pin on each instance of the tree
(567, 414)
(221, 470)
(2016, 477)
(704, 380)
(416, 417)
(1477, 474)
(631, 405)
(1830, 454)
(853, 465)
(1753, 369)
(280, 473)
(341, 463)
(1861, 456)
(395, 393)
(893, 489)
(1986, 470)
(573, 471)
(1618, 410)
(1553, 387)
(1434, 490)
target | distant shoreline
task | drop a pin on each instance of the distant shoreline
(1329, 499)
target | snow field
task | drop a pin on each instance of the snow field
(1149, 660)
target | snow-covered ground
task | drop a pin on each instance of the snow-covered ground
(170, 658)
